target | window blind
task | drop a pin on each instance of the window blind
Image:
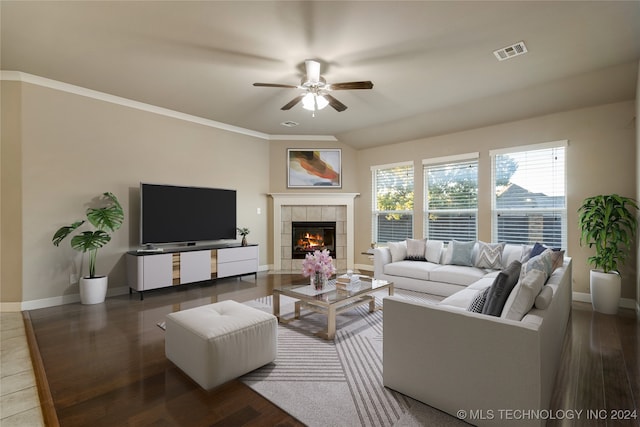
(393, 192)
(451, 202)
(529, 197)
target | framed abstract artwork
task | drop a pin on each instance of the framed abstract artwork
(314, 168)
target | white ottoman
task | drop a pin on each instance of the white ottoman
(218, 342)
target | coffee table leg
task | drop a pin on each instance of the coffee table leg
(331, 323)
(276, 305)
(297, 309)
(372, 304)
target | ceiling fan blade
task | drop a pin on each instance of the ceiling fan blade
(351, 85)
(293, 102)
(337, 105)
(274, 85)
(313, 70)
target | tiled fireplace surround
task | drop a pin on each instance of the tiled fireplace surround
(289, 207)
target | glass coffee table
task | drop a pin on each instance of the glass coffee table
(330, 301)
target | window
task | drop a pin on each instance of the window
(392, 202)
(451, 202)
(529, 195)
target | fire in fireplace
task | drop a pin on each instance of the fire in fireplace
(307, 237)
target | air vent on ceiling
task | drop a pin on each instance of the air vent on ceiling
(510, 51)
(289, 124)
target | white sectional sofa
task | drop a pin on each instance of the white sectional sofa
(486, 369)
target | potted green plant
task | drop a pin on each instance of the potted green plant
(243, 231)
(106, 218)
(608, 223)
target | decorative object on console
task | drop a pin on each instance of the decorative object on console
(106, 218)
(315, 168)
(319, 266)
(609, 223)
(243, 231)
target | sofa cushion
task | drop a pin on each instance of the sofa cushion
(501, 288)
(460, 253)
(433, 252)
(416, 249)
(413, 269)
(398, 250)
(460, 299)
(523, 295)
(477, 303)
(544, 298)
(456, 274)
(490, 255)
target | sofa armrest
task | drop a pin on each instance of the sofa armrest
(381, 256)
(456, 360)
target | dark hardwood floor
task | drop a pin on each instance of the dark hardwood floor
(105, 364)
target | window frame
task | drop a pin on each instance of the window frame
(374, 200)
(562, 211)
(442, 161)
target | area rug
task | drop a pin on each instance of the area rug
(339, 382)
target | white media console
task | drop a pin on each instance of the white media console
(171, 267)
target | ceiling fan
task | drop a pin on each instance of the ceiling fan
(316, 94)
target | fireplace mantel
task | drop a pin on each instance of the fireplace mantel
(312, 199)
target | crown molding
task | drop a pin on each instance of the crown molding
(7, 75)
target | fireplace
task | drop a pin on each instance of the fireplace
(308, 236)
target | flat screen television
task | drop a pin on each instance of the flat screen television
(175, 214)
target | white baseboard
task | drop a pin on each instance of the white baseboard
(67, 299)
(624, 302)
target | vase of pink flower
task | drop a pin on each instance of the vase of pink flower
(319, 267)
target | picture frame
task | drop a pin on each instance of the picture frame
(314, 168)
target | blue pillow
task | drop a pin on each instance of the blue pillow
(537, 250)
(462, 253)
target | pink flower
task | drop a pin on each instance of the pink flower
(318, 262)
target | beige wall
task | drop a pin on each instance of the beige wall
(601, 158)
(75, 147)
(60, 150)
(10, 189)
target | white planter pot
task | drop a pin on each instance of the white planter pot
(605, 291)
(93, 290)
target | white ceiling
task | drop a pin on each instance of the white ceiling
(431, 62)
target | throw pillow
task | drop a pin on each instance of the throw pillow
(544, 298)
(461, 253)
(547, 262)
(523, 295)
(477, 303)
(490, 255)
(398, 251)
(537, 250)
(434, 250)
(501, 288)
(416, 250)
(526, 253)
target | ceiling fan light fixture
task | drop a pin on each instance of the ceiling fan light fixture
(308, 102)
(321, 102)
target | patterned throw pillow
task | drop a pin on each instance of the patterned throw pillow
(477, 303)
(490, 255)
(461, 253)
(416, 250)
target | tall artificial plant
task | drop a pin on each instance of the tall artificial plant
(107, 218)
(608, 223)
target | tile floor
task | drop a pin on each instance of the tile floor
(19, 404)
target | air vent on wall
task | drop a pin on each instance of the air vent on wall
(510, 51)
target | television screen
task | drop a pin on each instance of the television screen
(174, 214)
